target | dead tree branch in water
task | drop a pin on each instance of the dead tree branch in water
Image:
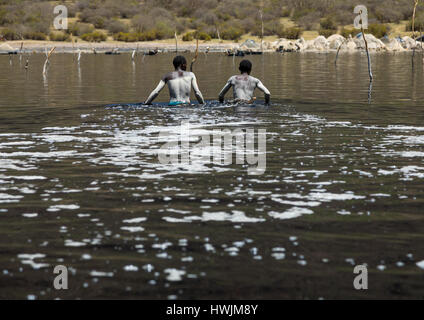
(366, 49)
(197, 53)
(47, 61)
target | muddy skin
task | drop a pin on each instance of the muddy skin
(179, 83)
(244, 87)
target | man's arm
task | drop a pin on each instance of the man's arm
(224, 91)
(155, 92)
(197, 92)
(264, 90)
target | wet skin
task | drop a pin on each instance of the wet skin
(244, 87)
(179, 83)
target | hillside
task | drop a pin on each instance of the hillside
(232, 20)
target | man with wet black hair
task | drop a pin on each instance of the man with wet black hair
(179, 83)
(244, 85)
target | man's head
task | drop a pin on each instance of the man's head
(245, 67)
(180, 63)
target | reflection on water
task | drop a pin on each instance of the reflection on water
(81, 184)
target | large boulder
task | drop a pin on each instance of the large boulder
(309, 45)
(335, 41)
(374, 44)
(301, 44)
(321, 44)
(250, 44)
(395, 45)
(268, 45)
(408, 43)
(285, 45)
(349, 45)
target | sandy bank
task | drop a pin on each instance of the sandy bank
(319, 44)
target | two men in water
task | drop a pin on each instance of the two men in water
(180, 83)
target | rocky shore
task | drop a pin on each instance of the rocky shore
(351, 44)
(319, 44)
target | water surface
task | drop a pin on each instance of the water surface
(81, 184)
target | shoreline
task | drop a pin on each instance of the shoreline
(87, 47)
(321, 44)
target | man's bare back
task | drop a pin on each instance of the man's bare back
(179, 83)
(244, 85)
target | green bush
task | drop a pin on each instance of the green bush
(95, 36)
(35, 36)
(59, 36)
(279, 30)
(99, 22)
(163, 31)
(378, 30)
(292, 33)
(327, 32)
(116, 26)
(204, 36)
(189, 36)
(328, 24)
(78, 28)
(419, 23)
(10, 34)
(349, 32)
(135, 36)
(232, 33)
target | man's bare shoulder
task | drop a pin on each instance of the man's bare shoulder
(253, 79)
(168, 76)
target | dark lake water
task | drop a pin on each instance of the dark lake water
(81, 184)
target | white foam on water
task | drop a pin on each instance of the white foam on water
(71, 243)
(133, 229)
(30, 215)
(135, 220)
(101, 274)
(162, 246)
(16, 143)
(60, 128)
(174, 275)
(364, 173)
(291, 213)
(344, 212)
(177, 211)
(209, 247)
(278, 256)
(297, 203)
(63, 207)
(404, 128)
(28, 256)
(28, 259)
(5, 196)
(131, 268)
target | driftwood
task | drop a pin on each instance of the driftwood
(176, 42)
(413, 17)
(196, 55)
(73, 44)
(366, 48)
(338, 50)
(262, 34)
(47, 61)
(20, 52)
